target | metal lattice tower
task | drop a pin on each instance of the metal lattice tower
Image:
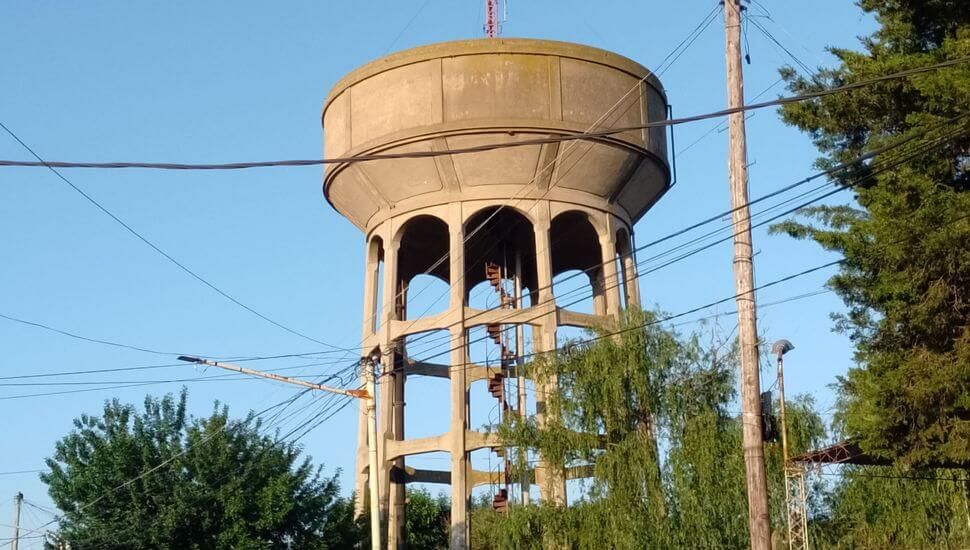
(795, 496)
(491, 19)
(510, 218)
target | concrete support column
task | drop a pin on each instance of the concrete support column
(397, 496)
(552, 486)
(459, 392)
(630, 270)
(598, 284)
(371, 321)
(611, 278)
(385, 386)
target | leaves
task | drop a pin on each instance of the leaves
(651, 411)
(215, 483)
(906, 275)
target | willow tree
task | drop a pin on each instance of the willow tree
(652, 416)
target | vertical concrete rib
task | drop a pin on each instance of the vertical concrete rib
(551, 483)
(611, 279)
(386, 383)
(371, 280)
(459, 392)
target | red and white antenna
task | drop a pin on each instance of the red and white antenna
(491, 19)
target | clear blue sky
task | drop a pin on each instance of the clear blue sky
(232, 81)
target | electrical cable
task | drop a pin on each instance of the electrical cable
(169, 460)
(831, 171)
(90, 339)
(491, 147)
(559, 155)
(698, 31)
(719, 126)
(152, 367)
(759, 287)
(51, 165)
(157, 249)
(771, 37)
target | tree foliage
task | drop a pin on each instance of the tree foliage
(651, 412)
(894, 507)
(655, 414)
(160, 479)
(906, 244)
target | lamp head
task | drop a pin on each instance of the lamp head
(782, 347)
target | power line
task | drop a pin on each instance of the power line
(165, 366)
(689, 40)
(755, 289)
(586, 135)
(490, 147)
(901, 478)
(720, 126)
(157, 249)
(834, 170)
(771, 37)
(391, 300)
(679, 49)
(85, 338)
(205, 439)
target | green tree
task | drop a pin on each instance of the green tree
(906, 242)
(893, 507)
(427, 520)
(653, 414)
(160, 479)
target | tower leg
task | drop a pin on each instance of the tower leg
(396, 521)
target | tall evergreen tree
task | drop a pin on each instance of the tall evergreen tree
(906, 240)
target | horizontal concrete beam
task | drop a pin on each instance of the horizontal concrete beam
(420, 368)
(397, 449)
(527, 315)
(480, 440)
(473, 373)
(440, 321)
(416, 475)
(569, 318)
(480, 477)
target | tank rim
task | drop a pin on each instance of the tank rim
(485, 46)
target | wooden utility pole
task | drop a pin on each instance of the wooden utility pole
(759, 524)
(17, 499)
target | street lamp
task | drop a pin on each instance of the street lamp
(780, 348)
(794, 475)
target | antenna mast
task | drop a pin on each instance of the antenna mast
(491, 19)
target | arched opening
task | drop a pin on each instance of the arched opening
(577, 264)
(426, 295)
(375, 283)
(422, 268)
(499, 248)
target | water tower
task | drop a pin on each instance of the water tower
(515, 217)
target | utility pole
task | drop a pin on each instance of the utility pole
(366, 363)
(375, 512)
(759, 525)
(794, 474)
(18, 500)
